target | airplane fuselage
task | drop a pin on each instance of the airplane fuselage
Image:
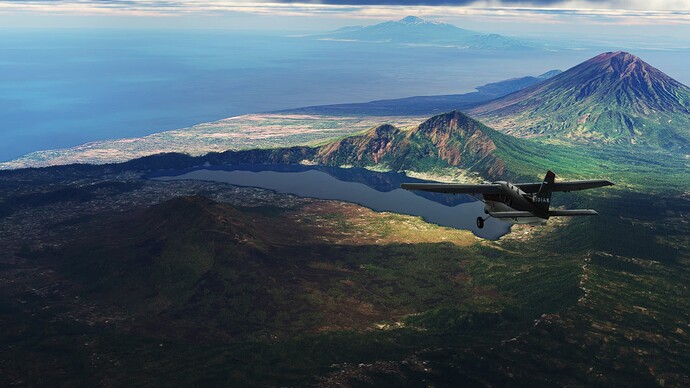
(512, 198)
(521, 203)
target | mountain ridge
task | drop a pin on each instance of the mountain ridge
(447, 140)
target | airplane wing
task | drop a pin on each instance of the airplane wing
(451, 188)
(515, 214)
(574, 212)
(552, 213)
(565, 186)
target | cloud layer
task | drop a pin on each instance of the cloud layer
(648, 5)
(542, 11)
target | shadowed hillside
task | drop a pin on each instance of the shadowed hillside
(191, 291)
(193, 268)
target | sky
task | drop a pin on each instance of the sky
(670, 17)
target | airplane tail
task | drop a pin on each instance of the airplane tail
(543, 198)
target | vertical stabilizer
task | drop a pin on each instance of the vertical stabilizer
(543, 198)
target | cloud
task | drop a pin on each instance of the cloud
(631, 12)
(429, 2)
(649, 5)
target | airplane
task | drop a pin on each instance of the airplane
(520, 203)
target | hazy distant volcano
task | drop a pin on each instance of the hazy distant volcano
(414, 30)
(614, 97)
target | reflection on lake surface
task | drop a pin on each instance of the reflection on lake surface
(375, 190)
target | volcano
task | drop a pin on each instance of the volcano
(613, 98)
(414, 30)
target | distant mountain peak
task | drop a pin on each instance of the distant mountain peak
(415, 30)
(628, 72)
(619, 55)
(411, 20)
(621, 63)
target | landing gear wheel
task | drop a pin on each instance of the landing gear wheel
(480, 222)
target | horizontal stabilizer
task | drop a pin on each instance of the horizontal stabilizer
(574, 212)
(515, 214)
(451, 188)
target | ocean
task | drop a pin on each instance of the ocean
(60, 88)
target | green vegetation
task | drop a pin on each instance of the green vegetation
(200, 293)
(455, 140)
(205, 311)
(641, 169)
